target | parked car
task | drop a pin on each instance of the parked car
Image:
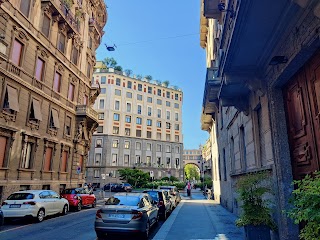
(79, 197)
(123, 187)
(164, 204)
(174, 192)
(1, 218)
(108, 185)
(34, 203)
(126, 213)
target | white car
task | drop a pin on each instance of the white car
(34, 203)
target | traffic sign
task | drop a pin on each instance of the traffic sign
(78, 170)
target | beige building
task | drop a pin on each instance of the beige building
(47, 51)
(140, 125)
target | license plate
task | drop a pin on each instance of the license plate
(116, 215)
(15, 206)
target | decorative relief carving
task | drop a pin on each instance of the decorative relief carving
(59, 67)
(33, 125)
(21, 33)
(7, 116)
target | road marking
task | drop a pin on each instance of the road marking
(47, 220)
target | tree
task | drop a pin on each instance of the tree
(118, 68)
(128, 72)
(148, 77)
(166, 83)
(191, 172)
(109, 62)
(175, 87)
(139, 76)
(135, 177)
(158, 82)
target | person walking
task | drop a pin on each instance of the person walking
(189, 189)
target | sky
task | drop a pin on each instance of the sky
(161, 39)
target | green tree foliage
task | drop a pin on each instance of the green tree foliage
(128, 72)
(135, 177)
(139, 76)
(148, 77)
(191, 172)
(166, 83)
(109, 62)
(118, 68)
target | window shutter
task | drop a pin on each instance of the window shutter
(13, 98)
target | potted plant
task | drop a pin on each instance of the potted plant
(306, 203)
(256, 212)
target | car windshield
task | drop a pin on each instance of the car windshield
(154, 195)
(123, 200)
(21, 196)
(68, 191)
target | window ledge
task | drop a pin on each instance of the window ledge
(63, 172)
(234, 174)
(26, 170)
(42, 171)
(4, 168)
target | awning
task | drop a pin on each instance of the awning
(55, 118)
(13, 98)
(37, 109)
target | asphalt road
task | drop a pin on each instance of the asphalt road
(74, 225)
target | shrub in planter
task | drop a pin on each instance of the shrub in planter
(252, 189)
(306, 205)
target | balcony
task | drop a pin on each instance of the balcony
(84, 111)
(210, 9)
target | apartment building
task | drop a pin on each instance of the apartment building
(140, 126)
(47, 52)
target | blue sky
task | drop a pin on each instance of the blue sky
(161, 39)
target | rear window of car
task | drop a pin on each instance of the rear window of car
(154, 195)
(123, 200)
(68, 191)
(20, 196)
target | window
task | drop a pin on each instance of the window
(100, 129)
(140, 87)
(168, 138)
(114, 159)
(46, 24)
(54, 119)
(126, 159)
(3, 149)
(176, 127)
(64, 161)
(138, 159)
(103, 80)
(96, 174)
(159, 124)
(101, 116)
(27, 156)
(61, 42)
(168, 160)
(168, 94)
(148, 134)
(115, 143)
(116, 105)
(139, 120)
(159, 92)
(176, 105)
(168, 148)
(101, 104)
(159, 101)
(99, 143)
(17, 50)
(177, 150)
(85, 99)
(128, 119)
(117, 92)
(39, 69)
(176, 138)
(176, 96)
(176, 116)
(116, 117)
(149, 122)
(139, 97)
(68, 126)
(138, 133)
(168, 104)
(127, 131)
(71, 92)
(115, 130)
(75, 54)
(138, 145)
(149, 111)
(126, 144)
(149, 89)
(139, 109)
(158, 136)
(149, 99)
(159, 148)
(159, 113)
(10, 103)
(103, 91)
(243, 152)
(159, 161)
(177, 162)
(129, 84)
(128, 107)
(118, 81)
(97, 159)
(168, 125)
(35, 111)
(168, 115)
(48, 159)
(57, 82)
(25, 7)
(148, 160)
(88, 70)
(129, 95)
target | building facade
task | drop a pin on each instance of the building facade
(194, 156)
(47, 51)
(140, 125)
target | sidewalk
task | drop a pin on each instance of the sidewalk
(196, 218)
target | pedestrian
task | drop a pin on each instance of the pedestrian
(189, 188)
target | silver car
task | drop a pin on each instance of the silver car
(126, 213)
(34, 203)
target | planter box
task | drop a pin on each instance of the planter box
(257, 232)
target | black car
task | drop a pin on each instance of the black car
(163, 203)
(123, 187)
(108, 186)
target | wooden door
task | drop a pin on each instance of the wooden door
(302, 114)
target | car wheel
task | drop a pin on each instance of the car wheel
(94, 204)
(40, 215)
(79, 206)
(64, 210)
(145, 235)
